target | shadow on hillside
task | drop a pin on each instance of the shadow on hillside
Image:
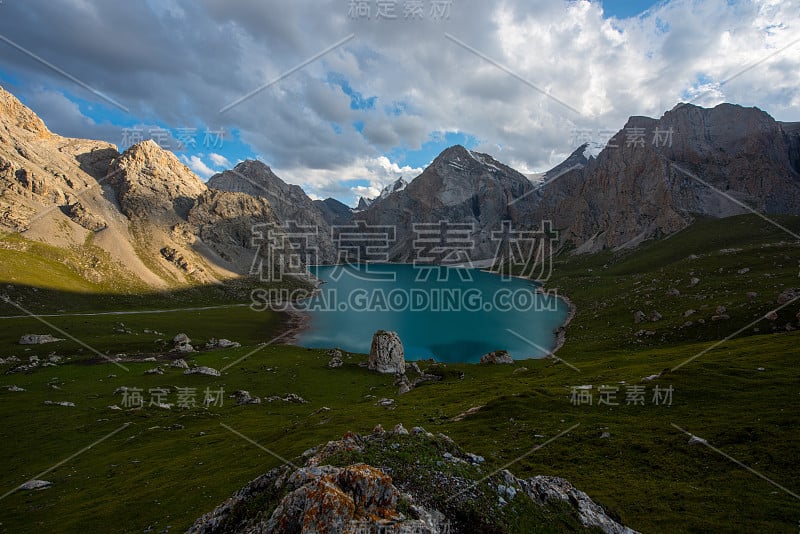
(35, 300)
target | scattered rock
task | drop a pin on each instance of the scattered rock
(673, 292)
(751, 295)
(723, 317)
(180, 363)
(154, 371)
(404, 383)
(744, 270)
(655, 316)
(386, 354)
(694, 440)
(788, 295)
(202, 370)
(520, 370)
(182, 343)
(497, 357)
(464, 415)
(14, 388)
(605, 435)
(641, 333)
(475, 459)
(687, 313)
(771, 316)
(639, 317)
(243, 397)
(400, 429)
(336, 360)
(60, 403)
(721, 310)
(291, 397)
(693, 282)
(214, 343)
(546, 488)
(35, 485)
(386, 403)
(378, 429)
(38, 339)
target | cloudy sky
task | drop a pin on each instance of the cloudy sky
(344, 96)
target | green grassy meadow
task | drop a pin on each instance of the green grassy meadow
(164, 468)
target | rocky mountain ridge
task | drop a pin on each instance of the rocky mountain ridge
(651, 180)
(707, 162)
(161, 224)
(142, 210)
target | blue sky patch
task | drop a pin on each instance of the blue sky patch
(357, 100)
(624, 9)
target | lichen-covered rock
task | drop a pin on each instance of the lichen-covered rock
(445, 490)
(386, 354)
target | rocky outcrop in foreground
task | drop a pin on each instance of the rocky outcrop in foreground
(333, 488)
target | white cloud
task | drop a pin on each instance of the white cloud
(198, 166)
(606, 69)
(378, 172)
(219, 160)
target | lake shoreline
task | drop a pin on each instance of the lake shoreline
(299, 321)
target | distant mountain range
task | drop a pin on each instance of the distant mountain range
(154, 217)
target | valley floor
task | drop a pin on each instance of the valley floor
(732, 381)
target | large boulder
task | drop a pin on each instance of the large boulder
(386, 354)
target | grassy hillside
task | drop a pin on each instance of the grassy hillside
(167, 467)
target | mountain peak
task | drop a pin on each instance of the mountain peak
(253, 165)
(251, 176)
(452, 153)
(15, 113)
(363, 203)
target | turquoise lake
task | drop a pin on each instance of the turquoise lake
(450, 314)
